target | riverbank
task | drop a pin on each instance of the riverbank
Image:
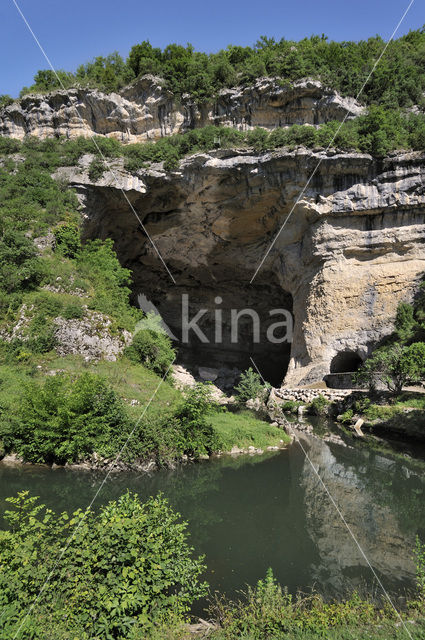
(386, 415)
(239, 433)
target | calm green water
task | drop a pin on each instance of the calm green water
(251, 513)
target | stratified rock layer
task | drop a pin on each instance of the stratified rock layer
(147, 111)
(350, 251)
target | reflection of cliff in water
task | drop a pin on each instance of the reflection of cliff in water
(250, 513)
(382, 502)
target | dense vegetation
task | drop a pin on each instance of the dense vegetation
(127, 572)
(399, 80)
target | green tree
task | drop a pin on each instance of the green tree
(20, 267)
(67, 238)
(394, 366)
(250, 387)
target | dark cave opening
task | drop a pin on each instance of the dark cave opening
(211, 278)
(229, 325)
(345, 362)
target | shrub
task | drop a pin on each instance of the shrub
(153, 349)
(65, 420)
(68, 240)
(250, 387)
(73, 310)
(5, 100)
(127, 566)
(394, 366)
(20, 268)
(319, 406)
(199, 436)
(96, 169)
(98, 264)
(419, 554)
(268, 611)
(291, 406)
(346, 417)
(171, 161)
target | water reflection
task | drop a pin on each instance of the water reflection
(247, 514)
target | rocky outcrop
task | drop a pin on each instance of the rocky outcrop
(147, 111)
(90, 337)
(352, 248)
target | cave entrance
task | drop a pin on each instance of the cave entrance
(345, 362)
(228, 325)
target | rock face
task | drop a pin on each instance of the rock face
(352, 248)
(147, 111)
(89, 337)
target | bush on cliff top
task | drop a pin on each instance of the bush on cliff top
(398, 81)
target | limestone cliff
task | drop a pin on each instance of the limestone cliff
(352, 249)
(145, 110)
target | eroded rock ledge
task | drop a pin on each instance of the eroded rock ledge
(353, 247)
(145, 110)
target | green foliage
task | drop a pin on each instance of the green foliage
(291, 405)
(319, 406)
(67, 238)
(268, 611)
(126, 567)
(5, 100)
(96, 169)
(66, 420)
(250, 387)
(153, 349)
(73, 310)
(20, 268)
(108, 73)
(399, 79)
(394, 366)
(346, 417)
(48, 80)
(382, 130)
(107, 282)
(198, 433)
(419, 554)
(405, 322)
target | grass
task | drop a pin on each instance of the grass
(243, 429)
(135, 385)
(129, 380)
(381, 631)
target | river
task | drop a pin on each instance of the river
(250, 513)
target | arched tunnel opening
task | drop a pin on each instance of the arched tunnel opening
(345, 362)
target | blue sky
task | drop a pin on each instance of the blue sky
(76, 31)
